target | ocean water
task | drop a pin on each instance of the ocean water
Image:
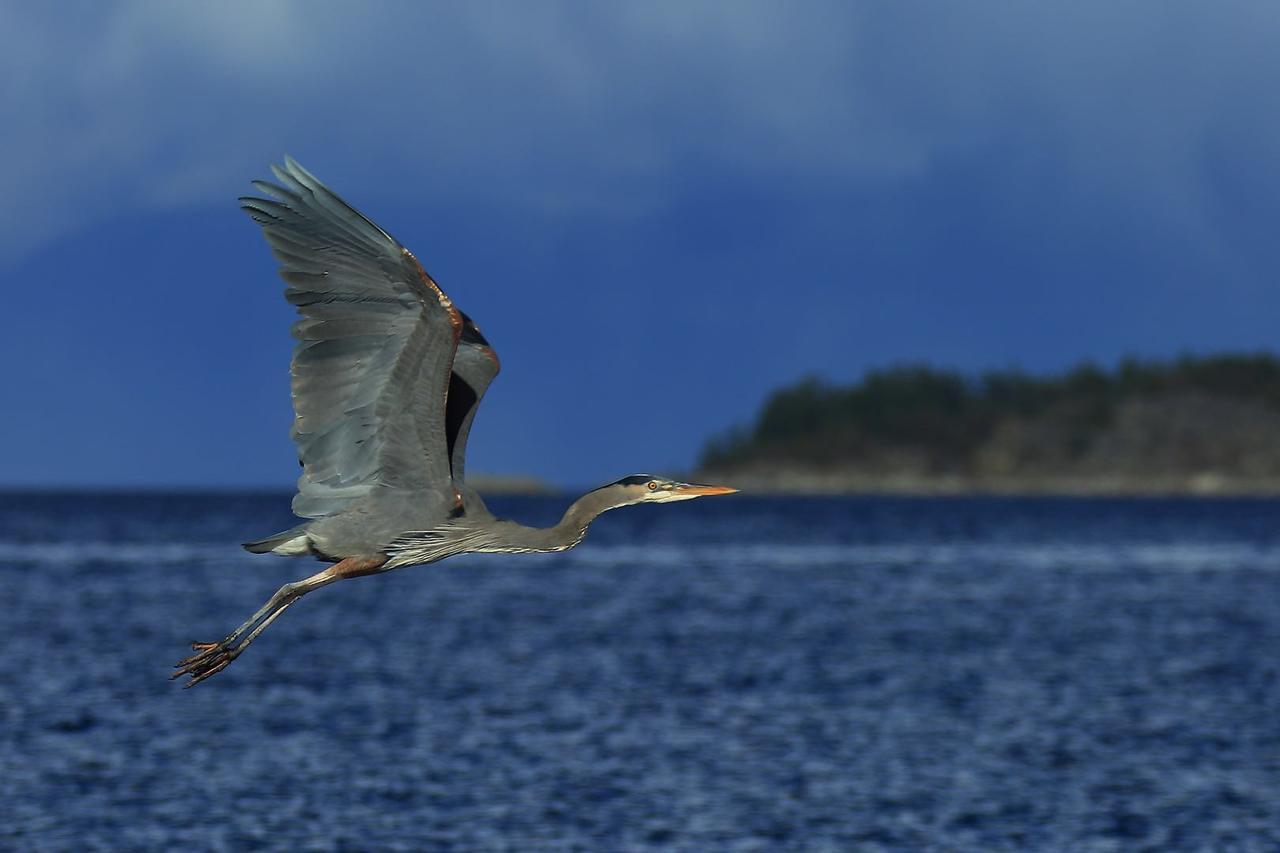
(732, 674)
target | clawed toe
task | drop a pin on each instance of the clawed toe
(209, 659)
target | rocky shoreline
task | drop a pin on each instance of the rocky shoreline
(797, 481)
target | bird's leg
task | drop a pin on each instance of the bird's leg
(284, 596)
(212, 658)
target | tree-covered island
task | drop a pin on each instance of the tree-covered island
(1206, 425)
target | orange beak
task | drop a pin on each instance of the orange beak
(698, 490)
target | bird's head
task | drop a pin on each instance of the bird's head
(650, 488)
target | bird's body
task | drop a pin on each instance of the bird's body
(387, 376)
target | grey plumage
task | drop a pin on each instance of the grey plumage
(387, 376)
(370, 371)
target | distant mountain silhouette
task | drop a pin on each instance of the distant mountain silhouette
(1193, 425)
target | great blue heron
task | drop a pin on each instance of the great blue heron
(387, 376)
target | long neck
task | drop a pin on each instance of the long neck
(565, 534)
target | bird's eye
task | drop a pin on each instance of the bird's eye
(652, 486)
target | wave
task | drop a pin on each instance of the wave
(1174, 556)
(66, 553)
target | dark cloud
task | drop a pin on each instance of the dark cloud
(546, 104)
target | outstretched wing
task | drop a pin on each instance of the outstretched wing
(474, 366)
(376, 342)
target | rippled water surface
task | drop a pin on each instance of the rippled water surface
(730, 674)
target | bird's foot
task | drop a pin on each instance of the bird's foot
(209, 659)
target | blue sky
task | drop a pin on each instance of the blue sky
(657, 212)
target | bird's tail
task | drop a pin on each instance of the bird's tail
(289, 543)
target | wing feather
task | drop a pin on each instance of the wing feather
(375, 346)
(475, 365)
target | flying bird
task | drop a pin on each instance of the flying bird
(387, 375)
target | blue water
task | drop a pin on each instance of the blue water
(731, 674)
